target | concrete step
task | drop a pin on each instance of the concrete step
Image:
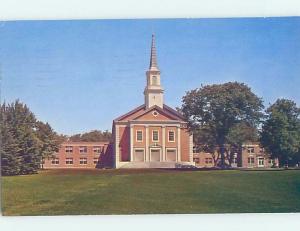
(158, 165)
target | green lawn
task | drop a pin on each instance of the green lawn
(56, 192)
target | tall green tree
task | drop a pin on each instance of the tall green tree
(215, 114)
(48, 140)
(281, 131)
(10, 164)
(24, 140)
(20, 145)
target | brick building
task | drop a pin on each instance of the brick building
(153, 134)
(79, 155)
(252, 156)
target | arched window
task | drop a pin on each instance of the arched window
(154, 80)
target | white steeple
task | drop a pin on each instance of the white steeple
(153, 91)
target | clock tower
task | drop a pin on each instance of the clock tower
(153, 91)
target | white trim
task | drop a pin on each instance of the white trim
(80, 159)
(178, 144)
(54, 159)
(136, 136)
(153, 122)
(163, 143)
(147, 143)
(157, 136)
(260, 165)
(155, 113)
(171, 141)
(70, 158)
(191, 147)
(117, 149)
(131, 143)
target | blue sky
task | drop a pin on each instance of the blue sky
(79, 75)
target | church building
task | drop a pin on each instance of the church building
(153, 135)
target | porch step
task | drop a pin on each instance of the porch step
(158, 165)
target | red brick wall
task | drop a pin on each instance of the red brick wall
(185, 144)
(76, 155)
(124, 147)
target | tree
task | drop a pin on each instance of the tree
(20, 145)
(48, 140)
(280, 134)
(10, 164)
(24, 140)
(215, 114)
(92, 136)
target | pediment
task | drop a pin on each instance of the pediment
(156, 113)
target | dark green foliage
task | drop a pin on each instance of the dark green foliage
(48, 140)
(92, 136)
(24, 140)
(281, 131)
(222, 116)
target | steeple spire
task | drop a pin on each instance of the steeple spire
(153, 60)
(153, 91)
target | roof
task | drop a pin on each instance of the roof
(85, 143)
(141, 110)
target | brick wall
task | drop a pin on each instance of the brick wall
(92, 155)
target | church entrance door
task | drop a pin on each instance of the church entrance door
(154, 154)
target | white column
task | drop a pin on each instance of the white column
(117, 142)
(178, 144)
(163, 143)
(147, 143)
(131, 142)
(191, 147)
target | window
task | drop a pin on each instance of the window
(208, 160)
(155, 136)
(97, 149)
(234, 160)
(154, 80)
(250, 150)
(69, 149)
(55, 161)
(83, 149)
(69, 160)
(261, 161)
(171, 136)
(250, 160)
(271, 161)
(155, 113)
(197, 160)
(95, 160)
(139, 136)
(83, 161)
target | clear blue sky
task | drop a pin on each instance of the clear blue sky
(80, 75)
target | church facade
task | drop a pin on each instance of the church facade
(153, 135)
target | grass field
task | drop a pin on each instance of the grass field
(57, 192)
